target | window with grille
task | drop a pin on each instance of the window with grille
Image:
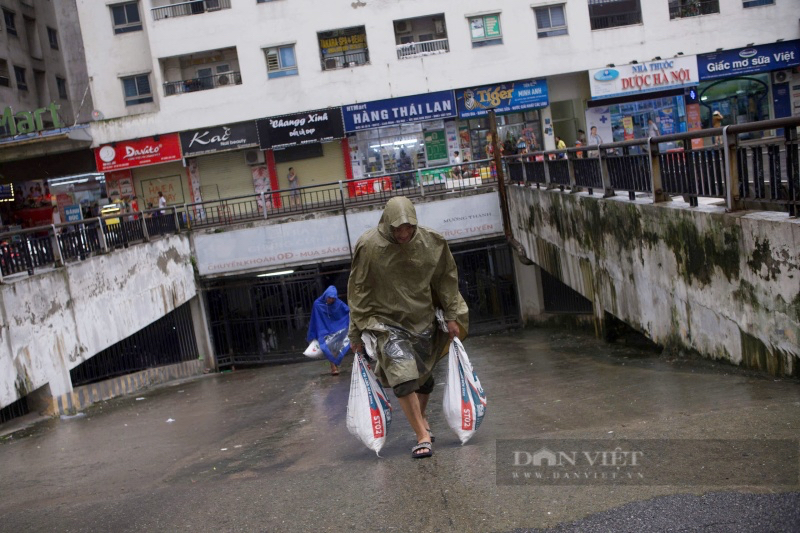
(605, 14)
(692, 8)
(5, 81)
(126, 17)
(137, 89)
(19, 74)
(756, 3)
(346, 47)
(61, 83)
(281, 61)
(11, 25)
(52, 36)
(485, 30)
(550, 21)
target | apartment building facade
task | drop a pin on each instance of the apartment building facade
(225, 90)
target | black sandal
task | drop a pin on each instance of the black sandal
(422, 446)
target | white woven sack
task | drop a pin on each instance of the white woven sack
(464, 398)
(369, 413)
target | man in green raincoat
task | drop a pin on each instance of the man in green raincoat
(401, 274)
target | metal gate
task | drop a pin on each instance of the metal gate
(265, 320)
(487, 283)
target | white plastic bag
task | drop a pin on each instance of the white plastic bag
(369, 413)
(313, 351)
(464, 399)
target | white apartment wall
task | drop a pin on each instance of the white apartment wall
(250, 27)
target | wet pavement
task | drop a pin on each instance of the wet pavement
(266, 449)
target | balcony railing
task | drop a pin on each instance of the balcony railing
(425, 48)
(692, 8)
(195, 7)
(202, 84)
(353, 59)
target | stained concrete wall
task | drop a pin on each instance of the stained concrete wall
(53, 321)
(726, 285)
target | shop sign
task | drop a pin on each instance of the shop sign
(29, 121)
(504, 98)
(645, 77)
(393, 111)
(323, 125)
(750, 60)
(219, 138)
(138, 153)
(331, 43)
(72, 213)
(436, 145)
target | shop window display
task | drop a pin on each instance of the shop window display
(510, 129)
(390, 150)
(646, 118)
(739, 100)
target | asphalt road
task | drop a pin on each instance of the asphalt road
(266, 449)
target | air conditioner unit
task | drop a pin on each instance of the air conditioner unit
(224, 78)
(254, 157)
(402, 26)
(781, 76)
(330, 63)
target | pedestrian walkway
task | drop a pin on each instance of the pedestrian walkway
(266, 449)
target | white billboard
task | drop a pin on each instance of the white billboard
(648, 76)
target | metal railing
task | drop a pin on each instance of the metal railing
(194, 7)
(204, 83)
(692, 8)
(425, 48)
(759, 174)
(763, 174)
(374, 188)
(51, 246)
(345, 60)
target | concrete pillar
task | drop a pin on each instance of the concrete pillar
(529, 291)
(202, 334)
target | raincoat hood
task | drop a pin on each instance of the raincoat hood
(398, 211)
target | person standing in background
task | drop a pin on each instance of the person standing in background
(294, 185)
(162, 203)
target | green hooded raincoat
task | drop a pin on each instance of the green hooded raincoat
(394, 291)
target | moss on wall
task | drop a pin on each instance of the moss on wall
(697, 255)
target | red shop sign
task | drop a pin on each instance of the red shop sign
(138, 153)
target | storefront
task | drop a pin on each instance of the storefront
(310, 142)
(748, 84)
(519, 124)
(224, 162)
(641, 100)
(401, 134)
(143, 168)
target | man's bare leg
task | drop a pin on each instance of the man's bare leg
(410, 405)
(423, 404)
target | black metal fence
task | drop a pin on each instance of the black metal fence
(50, 246)
(167, 341)
(203, 83)
(14, 410)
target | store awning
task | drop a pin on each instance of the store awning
(46, 156)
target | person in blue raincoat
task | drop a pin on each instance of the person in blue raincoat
(330, 319)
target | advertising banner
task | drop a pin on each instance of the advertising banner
(393, 111)
(119, 184)
(219, 138)
(138, 153)
(648, 76)
(750, 60)
(72, 213)
(323, 125)
(508, 97)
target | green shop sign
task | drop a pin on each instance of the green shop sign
(436, 145)
(29, 121)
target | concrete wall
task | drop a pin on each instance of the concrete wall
(53, 321)
(724, 285)
(250, 27)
